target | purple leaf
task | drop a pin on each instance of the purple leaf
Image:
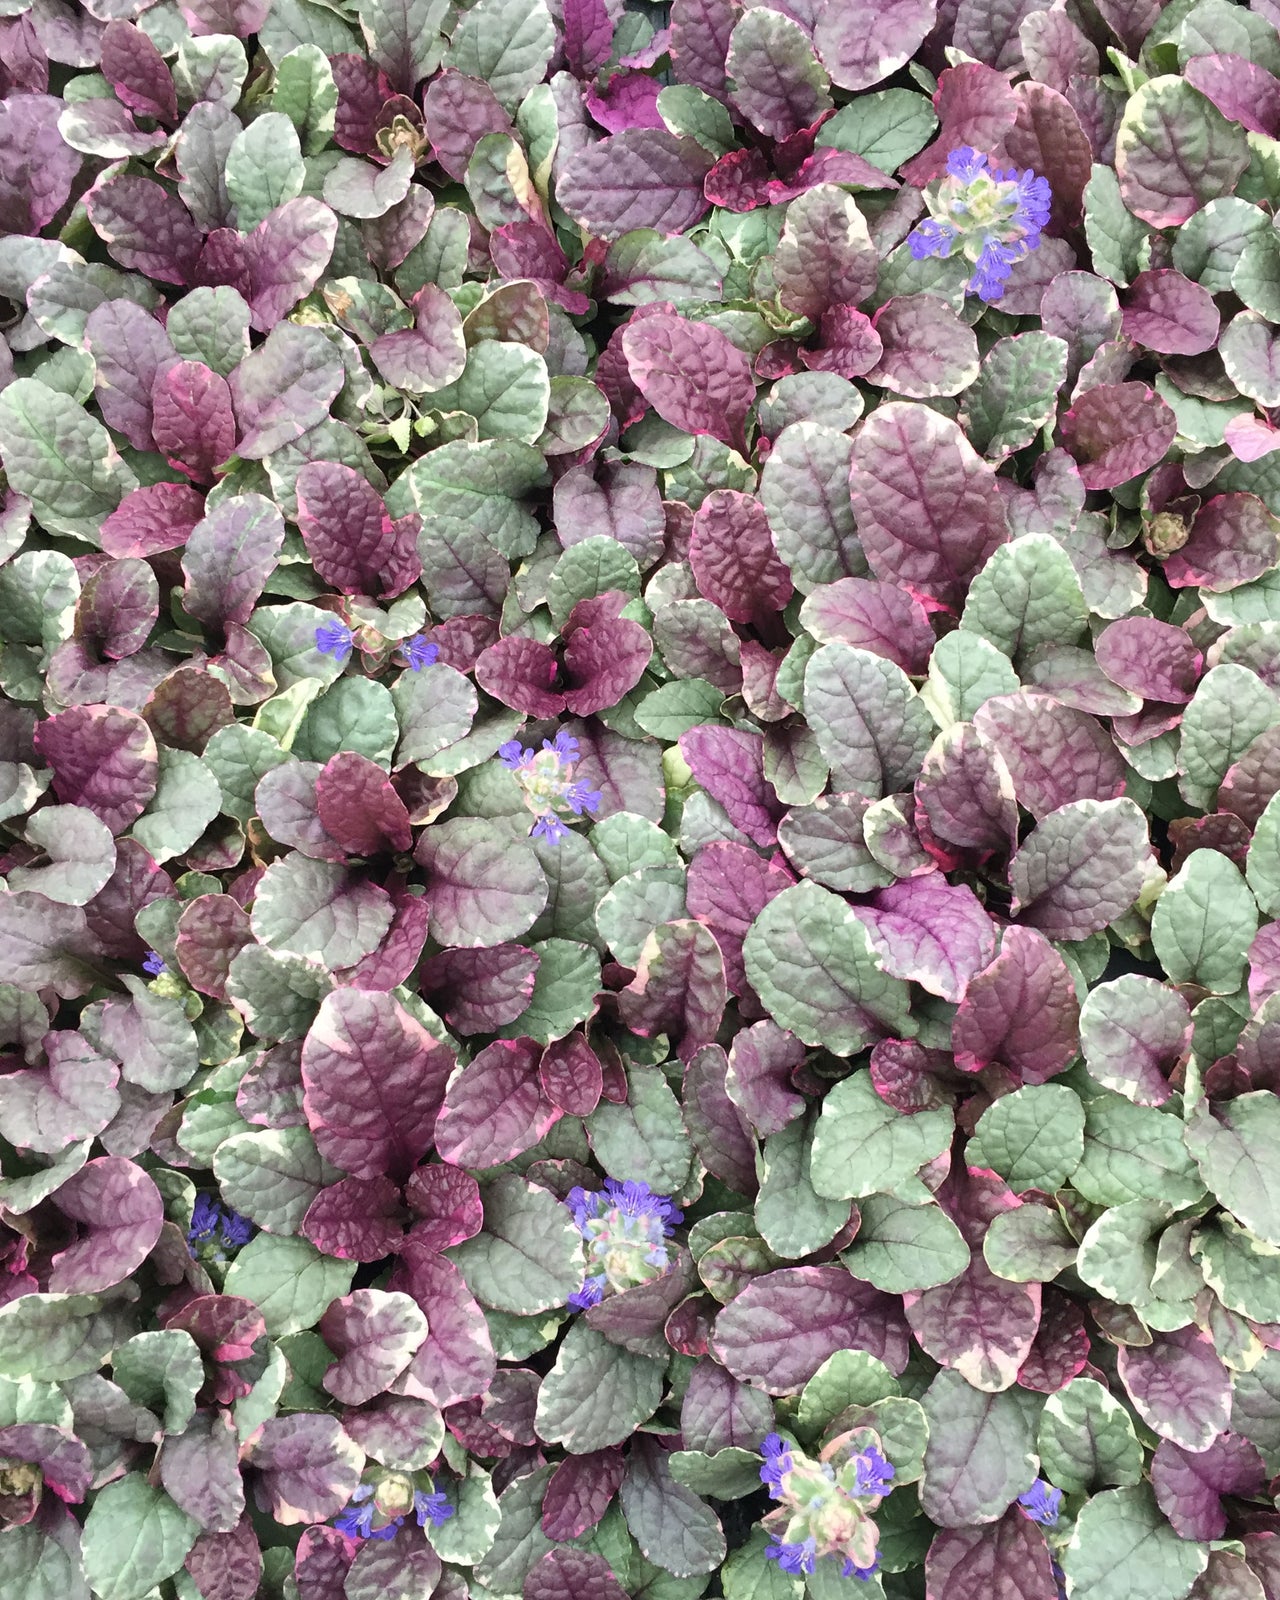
(778, 85)
(374, 1335)
(1178, 1386)
(628, 100)
(727, 763)
(1242, 90)
(928, 510)
(121, 1211)
(580, 1489)
(481, 990)
(192, 420)
(570, 1074)
(456, 1361)
(1170, 314)
(483, 888)
(640, 178)
(1151, 658)
(1117, 430)
(37, 169)
(229, 557)
(862, 43)
(495, 1109)
(446, 1202)
(871, 616)
(1233, 540)
(74, 1097)
(1020, 1011)
(926, 349)
(353, 543)
(784, 1325)
(131, 352)
(976, 107)
(733, 560)
(521, 672)
(613, 499)
(102, 757)
(155, 518)
(1055, 755)
(728, 887)
(136, 70)
(700, 33)
(588, 36)
(240, 18)
(692, 375)
(603, 661)
(1133, 1033)
(965, 791)
(212, 931)
(1080, 868)
(762, 1062)
(1047, 137)
(284, 387)
(355, 1219)
(309, 1466)
(635, 1318)
(374, 1080)
(118, 607)
(720, 1132)
(1189, 1486)
(679, 987)
(933, 933)
(200, 1471)
(565, 1574)
(978, 1325)
(1008, 1558)
(429, 355)
(146, 228)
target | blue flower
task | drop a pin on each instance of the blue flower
(966, 163)
(931, 238)
(875, 1474)
(419, 652)
(850, 1571)
(797, 1559)
(625, 1226)
(550, 828)
(590, 1294)
(991, 216)
(777, 1463)
(513, 755)
(433, 1508)
(582, 798)
(551, 791)
(334, 639)
(357, 1520)
(1041, 1503)
(154, 963)
(217, 1225)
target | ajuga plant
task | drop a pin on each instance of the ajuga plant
(639, 800)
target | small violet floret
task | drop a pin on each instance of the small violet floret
(825, 1504)
(626, 1227)
(419, 652)
(1041, 1503)
(551, 791)
(334, 639)
(989, 216)
(216, 1229)
(388, 1502)
(153, 964)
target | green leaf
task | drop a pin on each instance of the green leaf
(1240, 1268)
(689, 111)
(885, 128)
(597, 1394)
(1207, 246)
(52, 1337)
(981, 1452)
(564, 992)
(1016, 392)
(212, 326)
(355, 714)
(305, 92)
(901, 1248)
(1262, 865)
(436, 707)
(507, 44)
(1115, 235)
(1255, 278)
(505, 387)
(1026, 595)
(188, 797)
(1028, 1245)
(163, 1371)
(872, 726)
(528, 1257)
(1134, 1153)
(1204, 923)
(478, 483)
(863, 1146)
(635, 906)
(590, 567)
(238, 756)
(675, 707)
(289, 1280)
(627, 843)
(1034, 1138)
(134, 1538)
(1230, 708)
(965, 671)
(468, 1534)
(271, 1175)
(847, 1378)
(1234, 1148)
(643, 266)
(519, 1541)
(645, 1139)
(35, 1567)
(1086, 1439)
(794, 1220)
(811, 961)
(61, 458)
(1123, 1549)
(729, 1474)
(264, 169)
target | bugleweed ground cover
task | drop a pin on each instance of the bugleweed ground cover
(639, 800)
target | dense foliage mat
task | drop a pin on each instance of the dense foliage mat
(640, 783)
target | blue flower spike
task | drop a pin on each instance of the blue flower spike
(388, 1502)
(334, 639)
(551, 791)
(1041, 1503)
(419, 652)
(154, 965)
(216, 1229)
(626, 1227)
(991, 217)
(826, 1504)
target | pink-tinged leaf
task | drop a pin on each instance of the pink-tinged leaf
(118, 607)
(1054, 754)
(862, 43)
(739, 181)
(1175, 152)
(1005, 1560)
(571, 1075)
(392, 963)
(580, 1490)
(762, 1062)
(871, 616)
(784, 1325)
(965, 790)
(926, 348)
(1250, 438)
(445, 1200)
(228, 1331)
(456, 1361)
(850, 345)
(910, 1078)
(374, 1080)
(1020, 1012)
(1047, 137)
(978, 1325)
(1060, 1351)
(641, 178)
(228, 1566)
(976, 107)
(1234, 539)
(700, 33)
(1170, 314)
(157, 517)
(932, 933)
(495, 1109)
(1242, 90)
(374, 1335)
(355, 1219)
(1179, 1386)
(131, 351)
(1117, 430)
(825, 257)
(240, 18)
(733, 560)
(37, 168)
(719, 1131)
(1189, 1486)
(73, 1097)
(429, 355)
(103, 758)
(628, 100)
(1133, 1033)
(728, 764)
(229, 557)
(564, 1574)
(145, 228)
(588, 36)
(457, 112)
(121, 1211)
(928, 510)
(728, 887)
(521, 672)
(1080, 868)
(778, 85)
(603, 662)
(479, 991)
(359, 808)
(1253, 780)
(679, 987)
(692, 376)
(212, 931)
(309, 1466)
(136, 70)
(192, 420)
(613, 499)
(200, 1472)
(1150, 658)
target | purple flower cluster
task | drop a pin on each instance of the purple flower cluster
(822, 1509)
(625, 1226)
(357, 1521)
(216, 1228)
(993, 217)
(335, 638)
(153, 964)
(550, 789)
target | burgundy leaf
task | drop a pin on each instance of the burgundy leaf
(480, 991)
(1020, 1012)
(692, 375)
(358, 807)
(728, 763)
(102, 757)
(192, 420)
(580, 1488)
(570, 1075)
(446, 1202)
(121, 1209)
(353, 543)
(495, 1109)
(355, 1219)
